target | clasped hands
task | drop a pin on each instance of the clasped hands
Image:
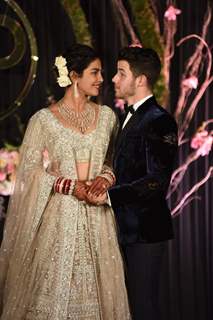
(92, 192)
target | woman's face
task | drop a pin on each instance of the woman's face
(90, 81)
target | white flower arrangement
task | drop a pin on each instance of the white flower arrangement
(63, 79)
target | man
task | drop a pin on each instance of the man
(143, 163)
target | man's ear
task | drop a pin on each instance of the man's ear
(141, 81)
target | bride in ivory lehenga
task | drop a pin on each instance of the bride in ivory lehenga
(60, 257)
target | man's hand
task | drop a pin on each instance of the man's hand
(99, 186)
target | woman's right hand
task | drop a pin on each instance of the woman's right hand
(80, 190)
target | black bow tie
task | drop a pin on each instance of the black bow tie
(130, 109)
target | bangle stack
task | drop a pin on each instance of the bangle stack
(109, 176)
(64, 186)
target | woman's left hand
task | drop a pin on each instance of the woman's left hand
(100, 200)
(99, 186)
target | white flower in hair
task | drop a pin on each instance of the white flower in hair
(60, 62)
(63, 79)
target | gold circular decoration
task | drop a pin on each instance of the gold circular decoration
(19, 42)
(34, 60)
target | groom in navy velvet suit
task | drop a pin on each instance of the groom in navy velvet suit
(143, 163)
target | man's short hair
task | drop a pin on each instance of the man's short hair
(142, 61)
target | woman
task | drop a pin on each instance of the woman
(60, 258)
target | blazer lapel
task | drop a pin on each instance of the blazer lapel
(137, 116)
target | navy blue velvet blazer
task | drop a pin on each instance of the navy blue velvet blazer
(143, 164)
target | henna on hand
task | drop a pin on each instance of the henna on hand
(99, 186)
(80, 190)
(100, 200)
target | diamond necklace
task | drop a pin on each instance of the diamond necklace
(79, 120)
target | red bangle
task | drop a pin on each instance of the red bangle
(64, 186)
(57, 183)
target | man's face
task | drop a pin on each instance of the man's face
(124, 81)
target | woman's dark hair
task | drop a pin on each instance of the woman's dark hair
(78, 57)
(142, 61)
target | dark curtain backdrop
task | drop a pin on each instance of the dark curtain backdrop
(188, 272)
(187, 281)
(54, 33)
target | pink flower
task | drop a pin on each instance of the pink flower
(171, 13)
(4, 157)
(202, 141)
(3, 176)
(14, 155)
(191, 82)
(206, 146)
(136, 44)
(119, 103)
(8, 164)
(4, 154)
(198, 139)
(10, 168)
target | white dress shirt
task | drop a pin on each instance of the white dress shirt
(135, 106)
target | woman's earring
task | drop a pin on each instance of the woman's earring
(76, 93)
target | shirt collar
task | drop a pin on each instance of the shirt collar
(138, 103)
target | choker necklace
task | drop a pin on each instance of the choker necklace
(79, 120)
